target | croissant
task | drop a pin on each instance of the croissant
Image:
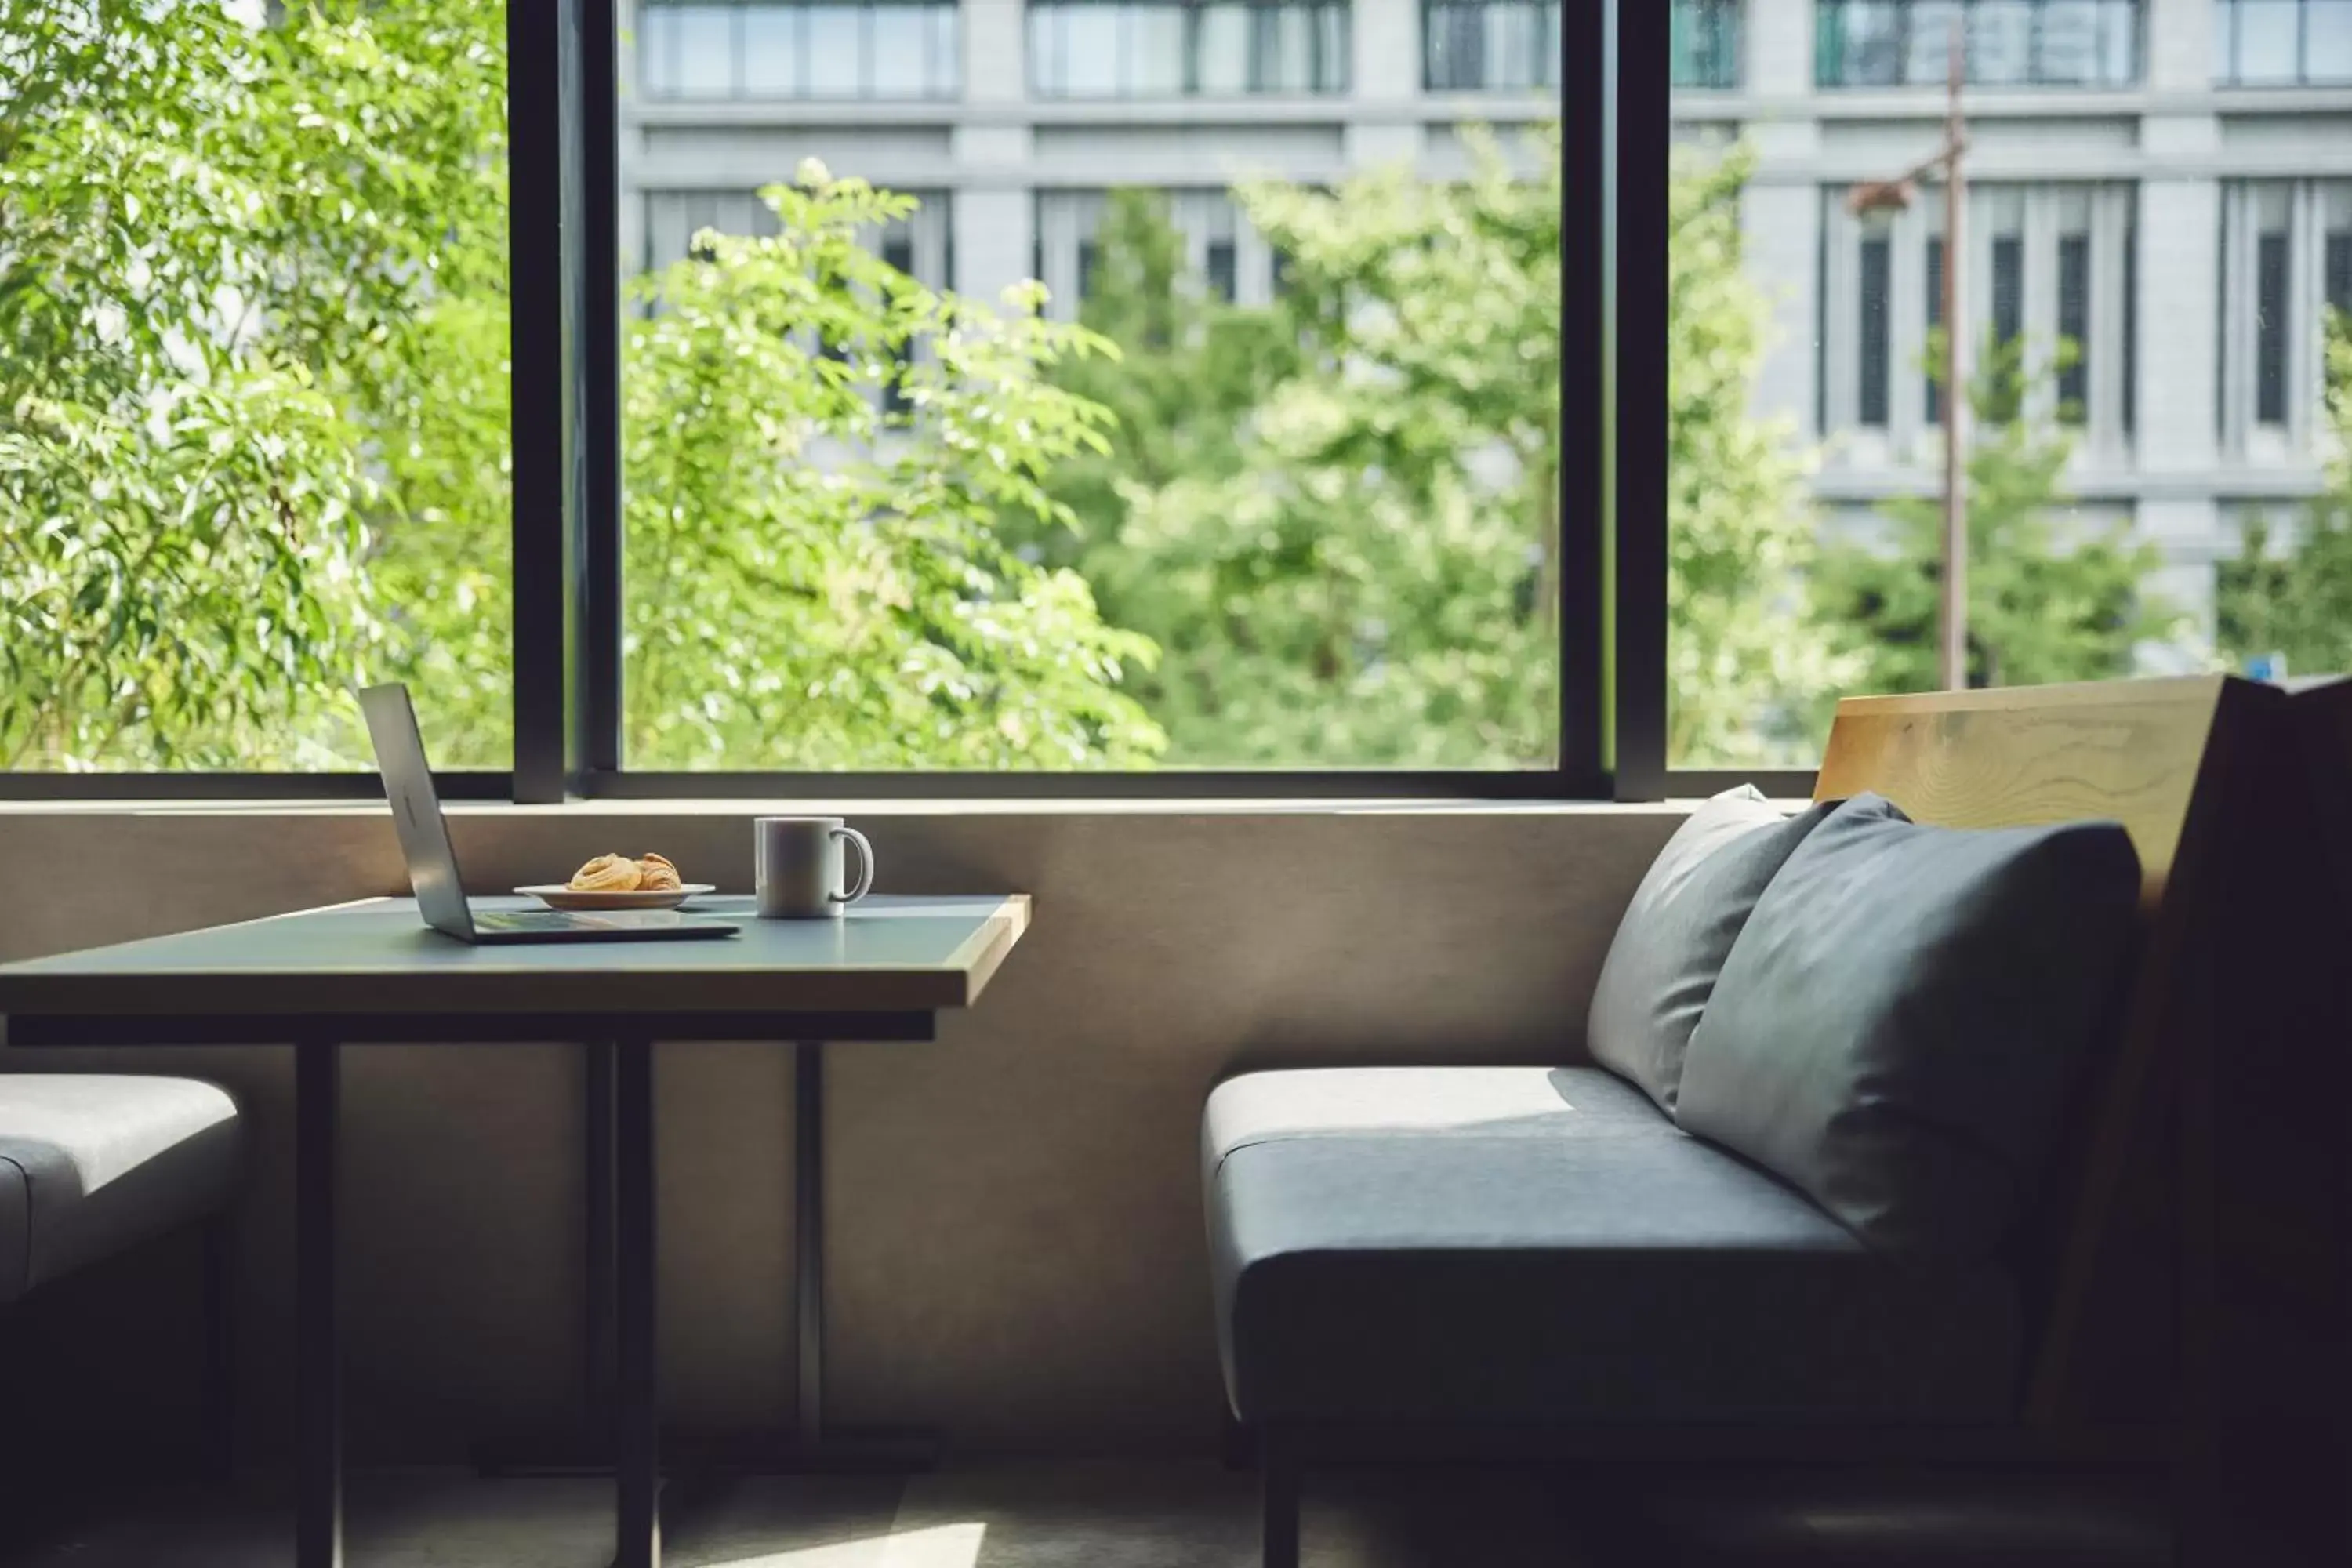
(608, 874)
(656, 874)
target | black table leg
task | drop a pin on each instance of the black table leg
(597, 1370)
(636, 1402)
(318, 1432)
(808, 1238)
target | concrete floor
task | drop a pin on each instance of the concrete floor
(1122, 1514)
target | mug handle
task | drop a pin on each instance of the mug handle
(864, 867)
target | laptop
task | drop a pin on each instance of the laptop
(432, 860)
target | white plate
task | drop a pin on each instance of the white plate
(556, 896)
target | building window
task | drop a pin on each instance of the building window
(1223, 262)
(2008, 43)
(1935, 403)
(2340, 272)
(2131, 332)
(2007, 287)
(798, 49)
(1877, 260)
(2282, 43)
(1495, 45)
(1706, 43)
(1183, 49)
(2075, 322)
(2270, 330)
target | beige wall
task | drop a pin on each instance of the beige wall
(1016, 1248)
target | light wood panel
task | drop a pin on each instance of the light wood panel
(2017, 756)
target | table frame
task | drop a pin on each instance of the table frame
(623, 1080)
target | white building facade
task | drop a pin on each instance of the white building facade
(2167, 183)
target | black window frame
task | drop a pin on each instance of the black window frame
(563, 109)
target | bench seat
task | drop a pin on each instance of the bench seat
(92, 1164)
(1530, 1243)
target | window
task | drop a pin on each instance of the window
(1491, 46)
(2007, 43)
(2282, 43)
(2340, 272)
(2075, 321)
(2270, 329)
(1180, 49)
(797, 49)
(2007, 287)
(1707, 43)
(2274, 288)
(1223, 261)
(256, 445)
(1934, 384)
(975, 541)
(1877, 262)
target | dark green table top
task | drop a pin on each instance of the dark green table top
(889, 954)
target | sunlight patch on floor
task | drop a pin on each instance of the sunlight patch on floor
(937, 1546)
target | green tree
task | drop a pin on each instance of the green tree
(2047, 602)
(814, 582)
(2294, 596)
(222, 247)
(253, 442)
(1347, 555)
(1746, 658)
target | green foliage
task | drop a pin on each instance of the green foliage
(815, 584)
(1348, 548)
(220, 242)
(1746, 658)
(2297, 600)
(2046, 602)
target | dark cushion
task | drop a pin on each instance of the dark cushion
(1899, 1026)
(1675, 934)
(94, 1162)
(1553, 1249)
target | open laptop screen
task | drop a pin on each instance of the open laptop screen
(416, 810)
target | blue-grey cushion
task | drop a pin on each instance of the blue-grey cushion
(94, 1162)
(1900, 1025)
(1675, 934)
(1533, 1244)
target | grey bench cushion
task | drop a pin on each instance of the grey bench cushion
(90, 1164)
(1552, 1249)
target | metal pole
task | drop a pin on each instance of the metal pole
(1955, 627)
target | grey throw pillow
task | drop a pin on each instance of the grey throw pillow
(1902, 1021)
(1675, 934)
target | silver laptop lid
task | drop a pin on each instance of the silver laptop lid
(416, 810)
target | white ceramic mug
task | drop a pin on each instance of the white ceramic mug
(797, 870)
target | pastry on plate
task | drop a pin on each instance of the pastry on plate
(608, 874)
(656, 874)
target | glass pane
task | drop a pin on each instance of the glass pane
(1292, 67)
(1156, 52)
(702, 45)
(1303, 549)
(1091, 56)
(947, 52)
(254, 453)
(1930, 59)
(772, 51)
(2001, 42)
(1224, 36)
(836, 51)
(2068, 50)
(902, 50)
(2329, 51)
(2269, 42)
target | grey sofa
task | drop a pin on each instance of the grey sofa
(1539, 1261)
(93, 1165)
